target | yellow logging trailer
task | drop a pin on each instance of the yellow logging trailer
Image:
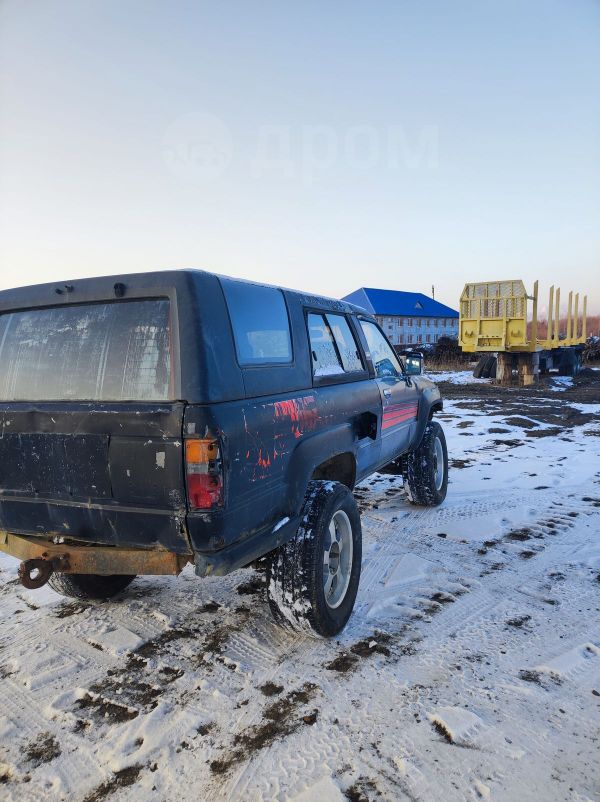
(494, 320)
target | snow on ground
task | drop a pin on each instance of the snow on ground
(556, 383)
(470, 669)
(454, 377)
(561, 383)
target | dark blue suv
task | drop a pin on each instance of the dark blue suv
(157, 419)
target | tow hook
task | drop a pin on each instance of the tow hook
(35, 573)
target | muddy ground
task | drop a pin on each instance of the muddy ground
(470, 668)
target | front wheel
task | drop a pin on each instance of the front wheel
(312, 580)
(426, 468)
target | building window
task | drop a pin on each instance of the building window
(428, 338)
(401, 321)
(410, 322)
(409, 338)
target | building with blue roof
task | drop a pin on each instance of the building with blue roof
(409, 319)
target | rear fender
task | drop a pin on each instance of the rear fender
(312, 452)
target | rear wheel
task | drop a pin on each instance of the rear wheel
(89, 586)
(426, 468)
(312, 580)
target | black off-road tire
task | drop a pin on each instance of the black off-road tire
(422, 481)
(480, 366)
(89, 586)
(295, 571)
(489, 366)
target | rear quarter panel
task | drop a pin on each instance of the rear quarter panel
(271, 447)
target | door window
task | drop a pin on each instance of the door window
(346, 344)
(326, 361)
(384, 359)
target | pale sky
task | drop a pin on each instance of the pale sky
(321, 146)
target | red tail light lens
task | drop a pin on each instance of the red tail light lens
(204, 474)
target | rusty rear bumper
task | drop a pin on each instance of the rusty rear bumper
(82, 559)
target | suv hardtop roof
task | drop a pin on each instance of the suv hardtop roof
(86, 290)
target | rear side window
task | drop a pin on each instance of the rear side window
(261, 327)
(117, 351)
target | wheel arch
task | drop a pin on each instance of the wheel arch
(339, 468)
(329, 454)
(437, 406)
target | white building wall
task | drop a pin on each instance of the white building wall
(417, 330)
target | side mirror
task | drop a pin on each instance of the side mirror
(413, 365)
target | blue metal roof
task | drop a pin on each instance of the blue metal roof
(397, 302)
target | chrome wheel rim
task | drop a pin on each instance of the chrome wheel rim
(438, 463)
(337, 559)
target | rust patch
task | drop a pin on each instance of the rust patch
(78, 559)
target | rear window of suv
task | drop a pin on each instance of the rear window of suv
(116, 351)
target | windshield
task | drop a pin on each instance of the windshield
(117, 351)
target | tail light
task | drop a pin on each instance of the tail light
(204, 474)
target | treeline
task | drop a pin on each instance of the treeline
(593, 326)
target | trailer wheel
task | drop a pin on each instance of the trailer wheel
(89, 586)
(480, 366)
(426, 468)
(489, 368)
(312, 580)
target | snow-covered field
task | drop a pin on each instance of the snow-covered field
(455, 377)
(555, 382)
(470, 668)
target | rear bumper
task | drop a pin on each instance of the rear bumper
(101, 524)
(102, 560)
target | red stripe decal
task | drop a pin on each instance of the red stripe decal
(395, 413)
(392, 423)
(399, 415)
(408, 412)
(395, 421)
(392, 412)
